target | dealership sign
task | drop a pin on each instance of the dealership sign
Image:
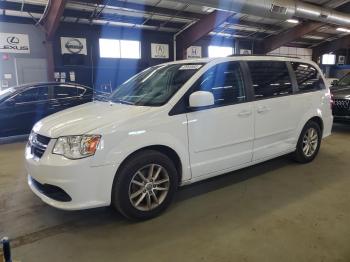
(72, 45)
(160, 51)
(14, 43)
(194, 52)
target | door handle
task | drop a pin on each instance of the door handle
(245, 113)
(263, 109)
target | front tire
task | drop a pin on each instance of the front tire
(309, 143)
(145, 185)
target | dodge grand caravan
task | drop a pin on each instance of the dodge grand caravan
(175, 124)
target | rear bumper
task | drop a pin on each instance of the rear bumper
(327, 126)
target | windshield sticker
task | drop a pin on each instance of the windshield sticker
(190, 67)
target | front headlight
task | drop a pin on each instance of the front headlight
(76, 147)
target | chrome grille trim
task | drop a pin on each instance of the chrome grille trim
(38, 144)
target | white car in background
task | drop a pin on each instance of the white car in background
(175, 124)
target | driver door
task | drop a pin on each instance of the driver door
(221, 137)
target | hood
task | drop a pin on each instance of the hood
(341, 93)
(87, 117)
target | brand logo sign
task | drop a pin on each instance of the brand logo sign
(160, 51)
(194, 52)
(72, 45)
(14, 43)
(245, 52)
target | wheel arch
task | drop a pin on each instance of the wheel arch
(166, 150)
(317, 120)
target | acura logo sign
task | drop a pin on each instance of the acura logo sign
(13, 40)
(74, 46)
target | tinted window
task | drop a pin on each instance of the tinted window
(64, 92)
(43, 93)
(345, 81)
(225, 81)
(31, 95)
(308, 77)
(270, 79)
(80, 91)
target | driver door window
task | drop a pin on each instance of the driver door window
(225, 82)
(33, 95)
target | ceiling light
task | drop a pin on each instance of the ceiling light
(342, 29)
(293, 21)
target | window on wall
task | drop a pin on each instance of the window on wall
(220, 51)
(114, 48)
(270, 79)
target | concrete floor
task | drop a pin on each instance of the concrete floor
(275, 211)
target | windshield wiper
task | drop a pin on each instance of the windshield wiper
(120, 101)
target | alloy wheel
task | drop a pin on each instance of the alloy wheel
(310, 142)
(149, 187)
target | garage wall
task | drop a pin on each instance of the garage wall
(111, 71)
(24, 68)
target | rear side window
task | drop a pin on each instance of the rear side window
(225, 81)
(81, 91)
(308, 77)
(270, 79)
(64, 92)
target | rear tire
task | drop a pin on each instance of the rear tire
(309, 143)
(145, 185)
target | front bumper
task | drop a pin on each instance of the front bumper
(87, 186)
(342, 118)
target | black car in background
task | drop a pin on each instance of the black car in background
(22, 106)
(341, 96)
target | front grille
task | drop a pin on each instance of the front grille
(341, 107)
(38, 144)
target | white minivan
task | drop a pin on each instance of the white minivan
(175, 124)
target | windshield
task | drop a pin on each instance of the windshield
(344, 83)
(5, 93)
(154, 86)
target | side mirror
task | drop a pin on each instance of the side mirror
(10, 102)
(201, 99)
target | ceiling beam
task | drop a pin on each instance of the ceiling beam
(332, 46)
(200, 29)
(146, 8)
(31, 8)
(53, 17)
(275, 41)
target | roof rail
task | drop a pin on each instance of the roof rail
(285, 56)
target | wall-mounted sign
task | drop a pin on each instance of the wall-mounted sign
(194, 52)
(245, 52)
(341, 60)
(72, 45)
(160, 51)
(14, 43)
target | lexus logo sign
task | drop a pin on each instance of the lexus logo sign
(71, 45)
(13, 40)
(14, 43)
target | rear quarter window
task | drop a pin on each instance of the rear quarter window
(308, 77)
(270, 79)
